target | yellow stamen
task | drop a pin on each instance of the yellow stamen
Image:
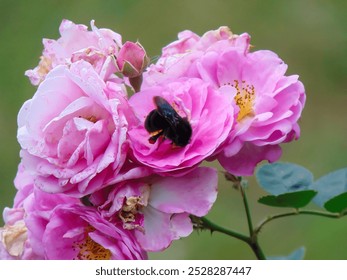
(88, 249)
(92, 119)
(244, 98)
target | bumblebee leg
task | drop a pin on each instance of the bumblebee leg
(155, 135)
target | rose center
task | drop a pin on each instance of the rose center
(92, 119)
(88, 249)
(244, 98)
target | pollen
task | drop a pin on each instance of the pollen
(88, 249)
(92, 119)
(244, 99)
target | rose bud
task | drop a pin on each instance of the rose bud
(131, 61)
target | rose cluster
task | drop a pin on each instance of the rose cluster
(112, 146)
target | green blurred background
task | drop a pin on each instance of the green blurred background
(310, 36)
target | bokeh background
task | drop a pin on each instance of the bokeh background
(310, 36)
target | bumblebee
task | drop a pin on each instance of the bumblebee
(165, 122)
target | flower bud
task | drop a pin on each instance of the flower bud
(132, 59)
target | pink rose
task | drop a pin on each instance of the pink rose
(57, 226)
(39, 208)
(60, 227)
(97, 47)
(268, 105)
(73, 132)
(27, 220)
(208, 112)
(157, 208)
(80, 233)
(180, 58)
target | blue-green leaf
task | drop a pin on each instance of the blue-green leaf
(293, 200)
(329, 186)
(279, 178)
(337, 204)
(298, 254)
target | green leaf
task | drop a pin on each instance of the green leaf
(337, 204)
(293, 200)
(330, 186)
(279, 178)
(295, 255)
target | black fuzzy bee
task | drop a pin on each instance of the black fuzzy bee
(165, 121)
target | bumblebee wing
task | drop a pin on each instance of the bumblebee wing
(166, 111)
